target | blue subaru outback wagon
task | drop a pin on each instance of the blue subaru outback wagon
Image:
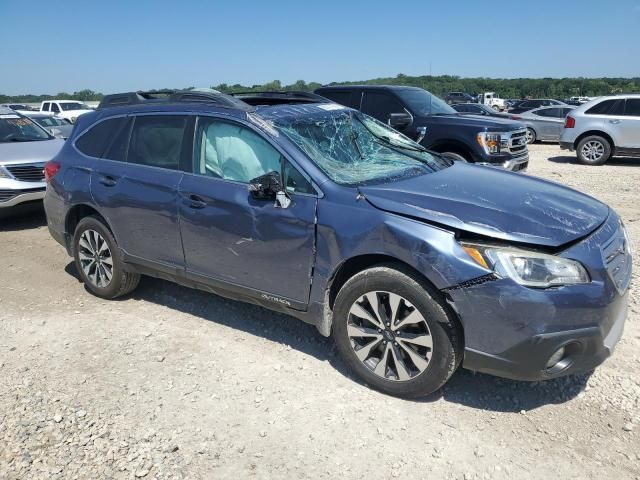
(413, 263)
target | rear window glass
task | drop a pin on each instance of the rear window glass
(94, 142)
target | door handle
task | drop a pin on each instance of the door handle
(108, 180)
(615, 122)
(196, 202)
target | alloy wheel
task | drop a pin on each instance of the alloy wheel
(592, 150)
(95, 258)
(389, 336)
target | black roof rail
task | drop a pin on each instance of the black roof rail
(173, 96)
(273, 97)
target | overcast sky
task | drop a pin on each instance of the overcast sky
(115, 45)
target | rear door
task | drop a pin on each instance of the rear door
(629, 125)
(230, 237)
(159, 149)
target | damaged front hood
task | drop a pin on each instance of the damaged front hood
(494, 203)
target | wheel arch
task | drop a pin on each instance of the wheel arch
(598, 133)
(454, 146)
(77, 213)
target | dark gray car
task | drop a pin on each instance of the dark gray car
(544, 123)
(58, 127)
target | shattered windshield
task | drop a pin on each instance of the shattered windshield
(354, 149)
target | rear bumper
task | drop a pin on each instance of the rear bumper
(566, 146)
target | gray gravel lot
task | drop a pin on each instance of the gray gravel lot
(177, 383)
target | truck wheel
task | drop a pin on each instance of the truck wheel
(495, 107)
(98, 261)
(593, 150)
(531, 136)
(395, 333)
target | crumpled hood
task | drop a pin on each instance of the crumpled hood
(494, 203)
(28, 152)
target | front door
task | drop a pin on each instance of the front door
(231, 237)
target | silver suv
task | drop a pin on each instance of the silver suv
(602, 128)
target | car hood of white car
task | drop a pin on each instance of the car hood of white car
(37, 151)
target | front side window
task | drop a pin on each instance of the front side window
(14, 128)
(632, 108)
(234, 152)
(421, 102)
(380, 105)
(54, 108)
(354, 149)
(156, 141)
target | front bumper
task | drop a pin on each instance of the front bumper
(512, 331)
(12, 198)
(513, 164)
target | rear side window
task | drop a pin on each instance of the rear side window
(156, 140)
(95, 141)
(607, 107)
(380, 105)
(633, 107)
(45, 106)
(339, 96)
(117, 150)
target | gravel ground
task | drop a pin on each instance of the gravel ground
(176, 383)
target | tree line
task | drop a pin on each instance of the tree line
(439, 85)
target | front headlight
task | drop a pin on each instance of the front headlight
(531, 269)
(490, 142)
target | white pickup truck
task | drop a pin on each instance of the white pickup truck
(69, 109)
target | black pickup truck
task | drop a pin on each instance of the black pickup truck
(431, 122)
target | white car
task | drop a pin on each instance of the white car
(68, 109)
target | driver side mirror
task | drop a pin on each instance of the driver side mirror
(400, 120)
(265, 187)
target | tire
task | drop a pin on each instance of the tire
(593, 150)
(531, 136)
(91, 236)
(495, 107)
(404, 374)
(456, 157)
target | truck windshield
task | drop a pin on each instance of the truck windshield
(422, 102)
(14, 128)
(354, 149)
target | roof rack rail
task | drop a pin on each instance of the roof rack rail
(272, 97)
(174, 96)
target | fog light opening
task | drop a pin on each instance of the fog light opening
(562, 358)
(555, 358)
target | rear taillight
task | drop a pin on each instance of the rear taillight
(515, 117)
(50, 170)
(570, 122)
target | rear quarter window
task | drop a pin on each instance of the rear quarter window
(95, 141)
(607, 107)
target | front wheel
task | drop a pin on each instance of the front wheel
(395, 333)
(495, 107)
(98, 261)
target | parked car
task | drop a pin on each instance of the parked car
(527, 105)
(58, 127)
(458, 97)
(512, 103)
(428, 120)
(495, 102)
(67, 109)
(477, 109)
(412, 263)
(602, 128)
(544, 123)
(19, 107)
(24, 149)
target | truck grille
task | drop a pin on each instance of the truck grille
(27, 173)
(617, 260)
(518, 142)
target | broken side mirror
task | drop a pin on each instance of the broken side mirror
(269, 187)
(400, 120)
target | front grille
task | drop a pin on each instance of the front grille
(617, 260)
(518, 142)
(27, 173)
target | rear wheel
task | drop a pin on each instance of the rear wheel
(394, 332)
(98, 261)
(495, 107)
(593, 150)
